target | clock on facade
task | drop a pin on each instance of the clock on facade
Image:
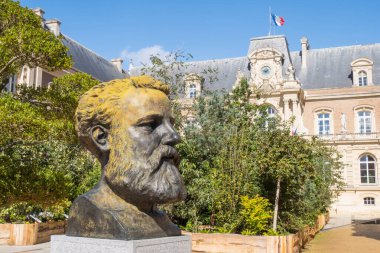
(266, 71)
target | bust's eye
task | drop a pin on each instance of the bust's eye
(149, 125)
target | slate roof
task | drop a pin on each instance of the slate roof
(89, 62)
(225, 76)
(331, 67)
(326, 67)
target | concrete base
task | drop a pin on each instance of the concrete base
(69, 244)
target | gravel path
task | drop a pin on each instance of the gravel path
(355, 238)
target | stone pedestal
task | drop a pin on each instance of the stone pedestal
(69, 244)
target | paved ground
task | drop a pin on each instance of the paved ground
(39, 248)
(336, 222)
(355, 238)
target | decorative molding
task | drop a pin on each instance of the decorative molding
(266, 68)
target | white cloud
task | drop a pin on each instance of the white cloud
(142, 56)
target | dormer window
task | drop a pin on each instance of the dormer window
(362, 72)
(193, 85)
(363, 78)
(192, 91)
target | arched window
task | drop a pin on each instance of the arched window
(363, 78)
(367, 170)
(362, 72)
(271, 111)
(25, 75)
(365, 121)
(192, 91)
(323, 123)
(271, 115)
(369, 201)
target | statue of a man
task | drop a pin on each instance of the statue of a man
(343, 122)
(291, 73)
(127, 125)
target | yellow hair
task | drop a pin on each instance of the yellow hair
(100, 103)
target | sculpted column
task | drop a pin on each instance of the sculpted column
(296, 114)
(287, 112)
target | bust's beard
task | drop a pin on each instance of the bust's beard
(154, 180)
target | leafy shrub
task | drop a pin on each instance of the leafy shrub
(22, 212)
(256, 214)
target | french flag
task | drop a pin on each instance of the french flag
(278, 21)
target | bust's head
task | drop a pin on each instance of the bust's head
(127, 125)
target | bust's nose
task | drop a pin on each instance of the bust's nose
(170, 135)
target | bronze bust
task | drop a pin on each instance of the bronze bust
(127, 125)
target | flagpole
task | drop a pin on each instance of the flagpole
(270, 21)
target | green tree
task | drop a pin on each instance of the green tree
(40, 173)
(23, 41)
(293, 172)
(234, 149)
(23, 122)
(41, 161)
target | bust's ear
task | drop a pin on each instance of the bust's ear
(100, 137)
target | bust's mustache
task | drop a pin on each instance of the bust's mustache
(162, 153)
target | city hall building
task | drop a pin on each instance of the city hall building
(332, 93)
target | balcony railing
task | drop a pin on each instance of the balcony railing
(347, 136)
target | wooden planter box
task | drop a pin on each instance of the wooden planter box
(30, 234)
(231, 243)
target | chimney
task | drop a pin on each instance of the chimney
(131, 66)
(304, 49)
(39, 12)
(54, 26)
(117, 63)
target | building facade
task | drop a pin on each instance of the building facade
(332, 93)
(84, 59)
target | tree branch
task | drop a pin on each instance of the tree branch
(15, 58)
(2, 70)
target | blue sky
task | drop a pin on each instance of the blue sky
(208, 29)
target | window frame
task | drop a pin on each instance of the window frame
(272, 113)
(324, 120)
(359, 118)
(193, 85)
(367, 169)
(362, 78)
(364, 121)
(192, 90)
(369, 201)
(359, 66)
(319, 111)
